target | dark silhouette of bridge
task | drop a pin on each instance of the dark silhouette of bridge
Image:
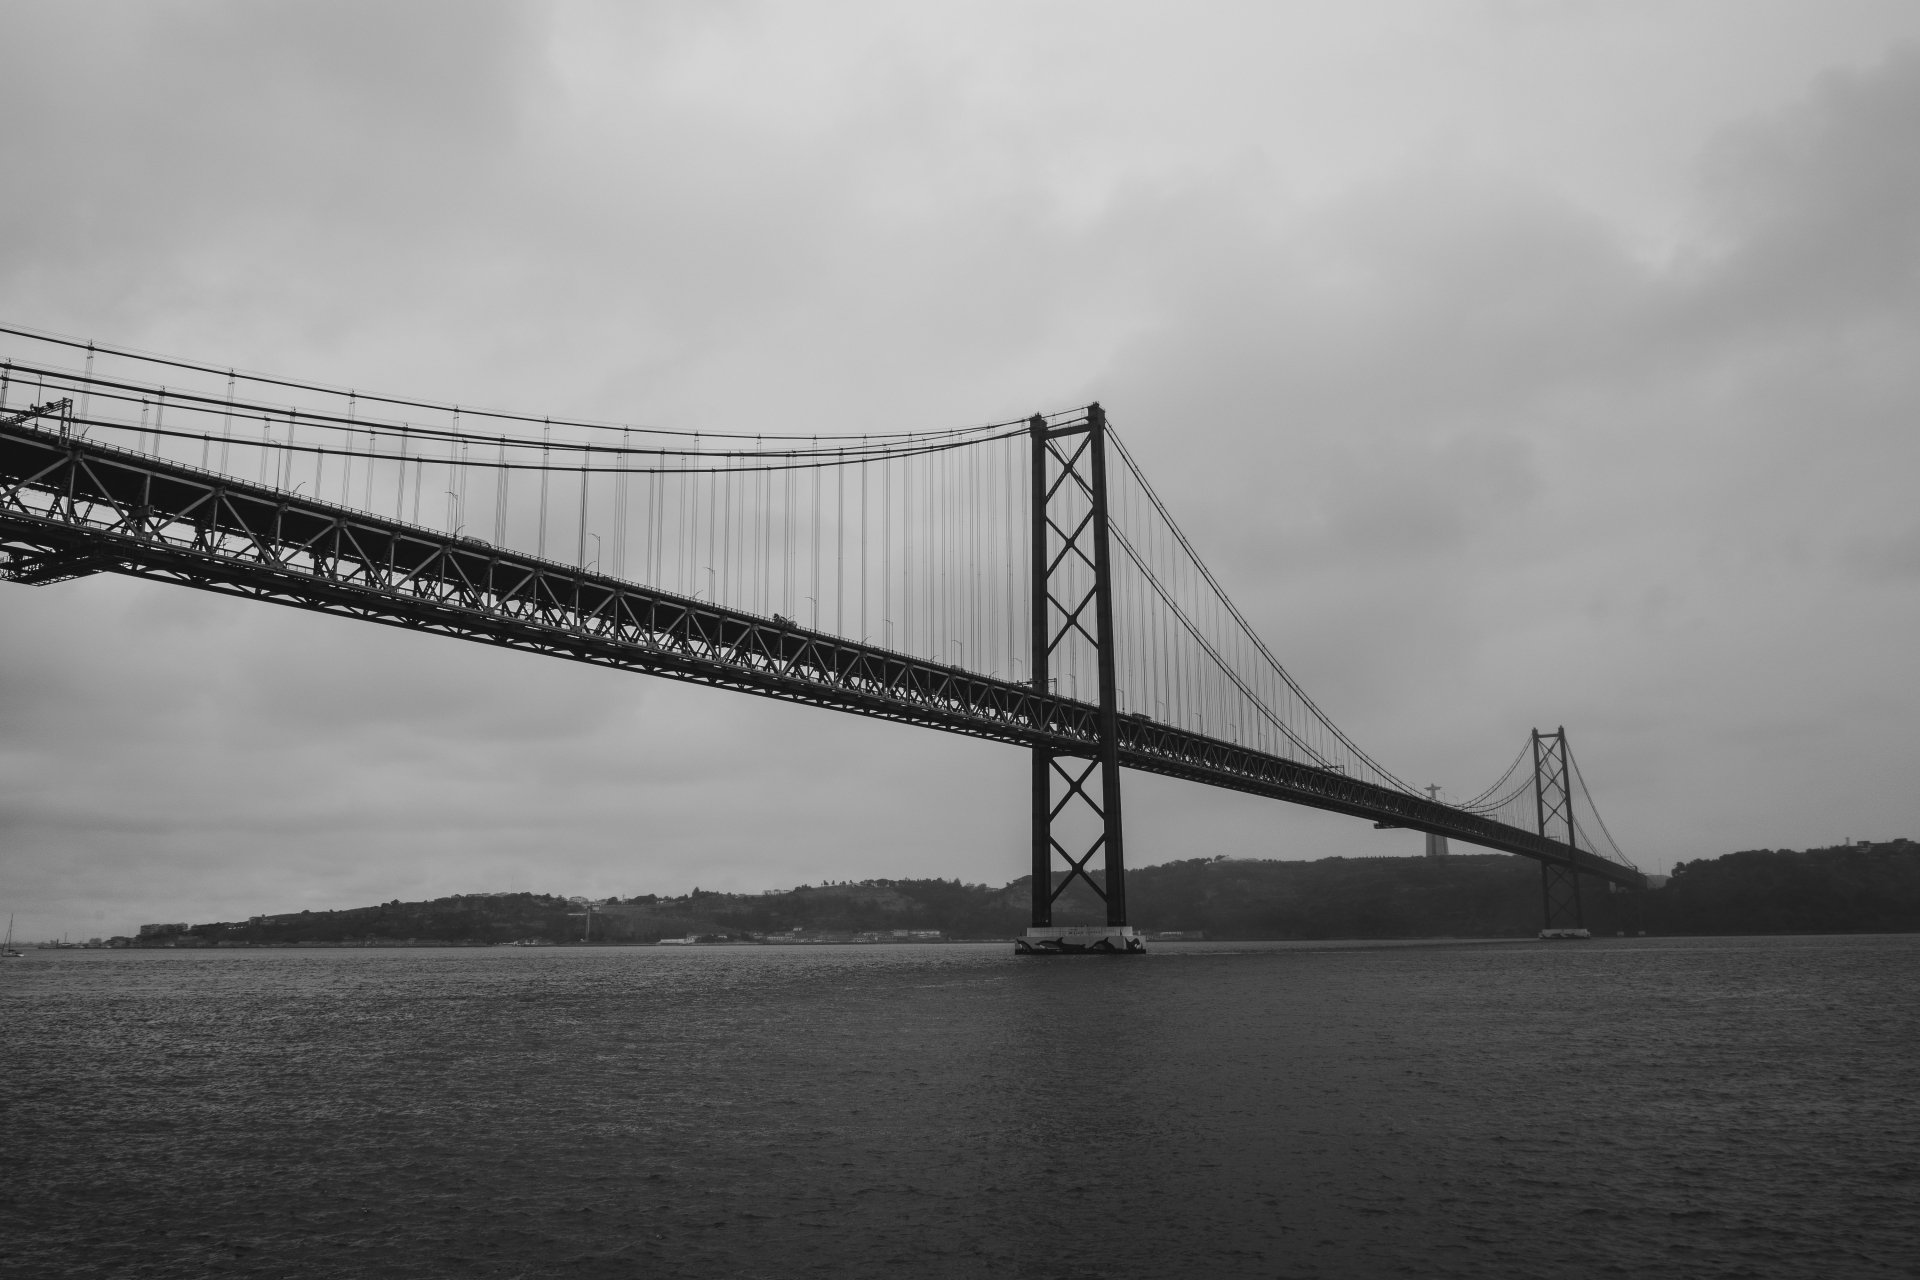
(1028, 585)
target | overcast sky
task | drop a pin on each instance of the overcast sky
(1514, 363)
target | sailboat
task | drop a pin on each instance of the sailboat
(6, 949)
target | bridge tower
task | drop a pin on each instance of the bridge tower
(1072, 573)
(1561, 908)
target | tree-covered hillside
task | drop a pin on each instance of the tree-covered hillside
(1853, 888)
(1861, 888)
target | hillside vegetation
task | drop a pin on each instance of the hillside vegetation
(1853, 888)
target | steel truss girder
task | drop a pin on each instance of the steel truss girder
(76, 504)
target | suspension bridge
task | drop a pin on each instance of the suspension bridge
(1019, 581)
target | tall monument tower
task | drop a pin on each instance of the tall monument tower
(1436, 845)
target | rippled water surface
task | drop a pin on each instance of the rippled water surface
(1686, 1108)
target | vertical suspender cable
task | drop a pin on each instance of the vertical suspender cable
(373, 449)
(887, 550)
(786, 543)
(287, 455)
(546, 440)
(840, 542)
(721, 521)
(926, 580)
(620, 482)
(656, 502)
(226, 431)
(580, 552)
(974, 624)
(346, 466)
(815, 468)
(419, 477)
(763, 523)
(86, 385)
(865, 467)
(319, 461)
(500, 497)
(459, 485)
(682, 522)
(1010, 595)
(713, 507)
(400, 481)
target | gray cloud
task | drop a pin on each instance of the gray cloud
(1656, 480)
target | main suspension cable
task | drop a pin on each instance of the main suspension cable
(402, 402)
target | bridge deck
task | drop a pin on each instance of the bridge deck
(71, 506)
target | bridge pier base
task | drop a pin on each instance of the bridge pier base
(1080, 940)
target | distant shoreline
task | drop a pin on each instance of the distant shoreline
(1329, 943)
(1858, 888)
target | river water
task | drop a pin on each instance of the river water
(1643, 1107)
